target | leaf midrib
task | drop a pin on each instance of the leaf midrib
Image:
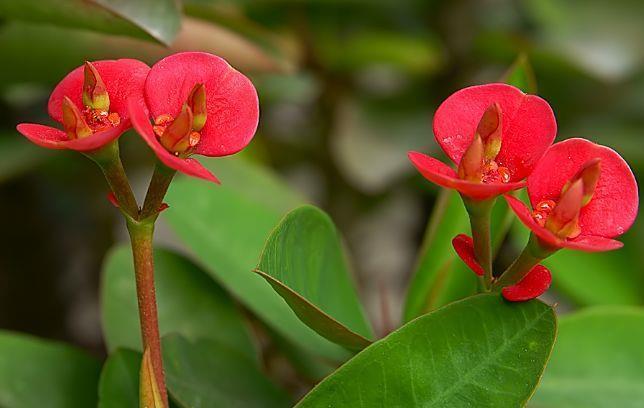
(464, 379)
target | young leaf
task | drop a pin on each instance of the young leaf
(521, 75)
(226, 228)
(480, 351)
(119, 383)
(304, 262)
(149, 394)
(36, 373)
(205, 373)
(598, 361)
(189, 303)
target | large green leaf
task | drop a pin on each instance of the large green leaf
(598, 361)
(304, 262)
(481, 351)
(158, 19)
(477, 352)
(119, 384)
(35, 373)
(205, 373)
(226, 227)
(189, 303)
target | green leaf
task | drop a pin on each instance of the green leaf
(436, 256)
(119, 384)
(521, 75)
(35, 373)
(480, 351)
(598, 361)
(205, 373)
(159, 18)
(303, 260)
(226, 227)
(189, 303)
(115, 19)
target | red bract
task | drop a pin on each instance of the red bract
(494, 133)
(92, 120)
(200, 105)
(588, 189)
(464, 247)
(534, 284)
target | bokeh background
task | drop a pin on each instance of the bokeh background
(346, 89)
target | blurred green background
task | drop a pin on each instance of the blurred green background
(346, 89)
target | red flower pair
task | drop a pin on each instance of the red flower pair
(583, 194)
(199, 104)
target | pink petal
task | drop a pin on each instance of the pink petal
(534, 284)
(443, 175)
(591, 243)
(529, 125)
(464, 247)
(188, 166)
(52, 138)
(232, 103)
(44, 136)
(124, 79)
(613, 207)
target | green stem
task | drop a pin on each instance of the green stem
(480, 213)
(109, 160)
(141, 237)
(533, 253)
(161, 179)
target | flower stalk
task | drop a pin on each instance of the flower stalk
(141, 238)
(533, 253)
(161, 179)
(109, 160)
(480, 213)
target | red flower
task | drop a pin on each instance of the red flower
(91, 104)
(534, 284)
(200, 105)
(583, 195)
(495, 133)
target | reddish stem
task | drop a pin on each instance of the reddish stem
(141, 236)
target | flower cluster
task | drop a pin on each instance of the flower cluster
(199, 105)
(582, 194)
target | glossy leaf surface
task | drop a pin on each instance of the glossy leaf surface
(480, 351)
(303, 260)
